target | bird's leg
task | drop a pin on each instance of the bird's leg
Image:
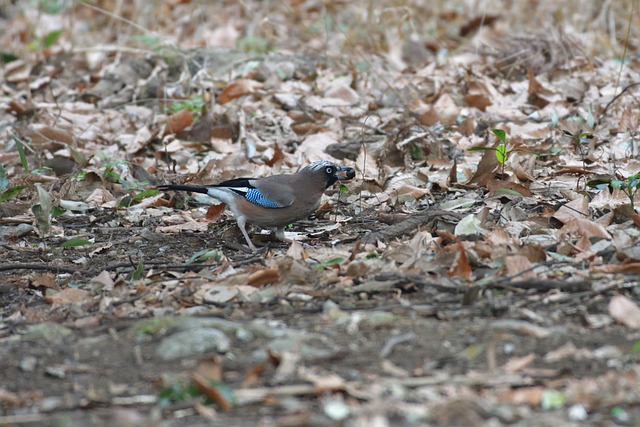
(280, 234)
(241, 224)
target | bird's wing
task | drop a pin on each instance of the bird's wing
(265, 192)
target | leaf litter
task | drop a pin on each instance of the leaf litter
(485, 254)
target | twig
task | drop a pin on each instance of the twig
(56, 268)
(615, 98)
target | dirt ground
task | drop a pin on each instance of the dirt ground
(413, 339)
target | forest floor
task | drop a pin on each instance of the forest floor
(481, 269)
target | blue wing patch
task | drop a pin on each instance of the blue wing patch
(255, 196)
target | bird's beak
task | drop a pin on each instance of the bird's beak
(345, 172)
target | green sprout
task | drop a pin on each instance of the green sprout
(628, 186)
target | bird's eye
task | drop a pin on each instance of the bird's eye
(330, 170)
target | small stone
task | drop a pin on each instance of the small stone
(56, 371)
(336, 410)
(577, 413)
(48, 332)
(28, 363)
(193, 343)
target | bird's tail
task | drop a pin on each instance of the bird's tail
(178, 187)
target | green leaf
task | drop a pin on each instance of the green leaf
(23, 158)
(9, 193)
(331, 262)
(619, 413)
(481, 149)
(51, 38)
(137, 274)
(343, 188)
(553, 399)
(508, 192)
(58, 211)
(147, 39)
(72, 243)
(620, 185)
(7, 57)
(501, 154)
(146, 193)
(635, 348)
(126, 202)
(177, 393)
(205, 255)
(502, 135)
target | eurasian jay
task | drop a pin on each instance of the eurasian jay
(275, 201)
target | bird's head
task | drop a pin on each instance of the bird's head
(330, 171)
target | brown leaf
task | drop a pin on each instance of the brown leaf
(237, 89)
(278, 156)
(45, 280)
(178, 121)
(498, 187)
(625, 311)
(252, 377)
(486, 170)
(67, 296)
(264, 277)
(478, 100)
(578, 208)
(214, 213)
(444, 111)
(516, 364)
(212, 392)
(624, 268)
(519, 265)
(302, 129)
(210, 368)
(200, 131)
(461, 266)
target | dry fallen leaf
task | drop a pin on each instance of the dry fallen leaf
(625, 311)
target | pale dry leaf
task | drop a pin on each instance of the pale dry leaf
(625, 311)
(313, 147)
(520, 267)
(516, 364)
(577, 208)
(67, 296)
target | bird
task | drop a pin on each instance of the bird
(274, 201)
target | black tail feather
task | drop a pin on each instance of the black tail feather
(178, 187)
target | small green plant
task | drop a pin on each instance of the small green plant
(194, 105)
(73, 243)
(138, 272)
(329, 264)
(41, 43)
(253, 44)
(10, 192)
(344, 189)
(629, 187)
(204, 255)
(177, 393)
(110, 174)
(502, 153)
(23, 157)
